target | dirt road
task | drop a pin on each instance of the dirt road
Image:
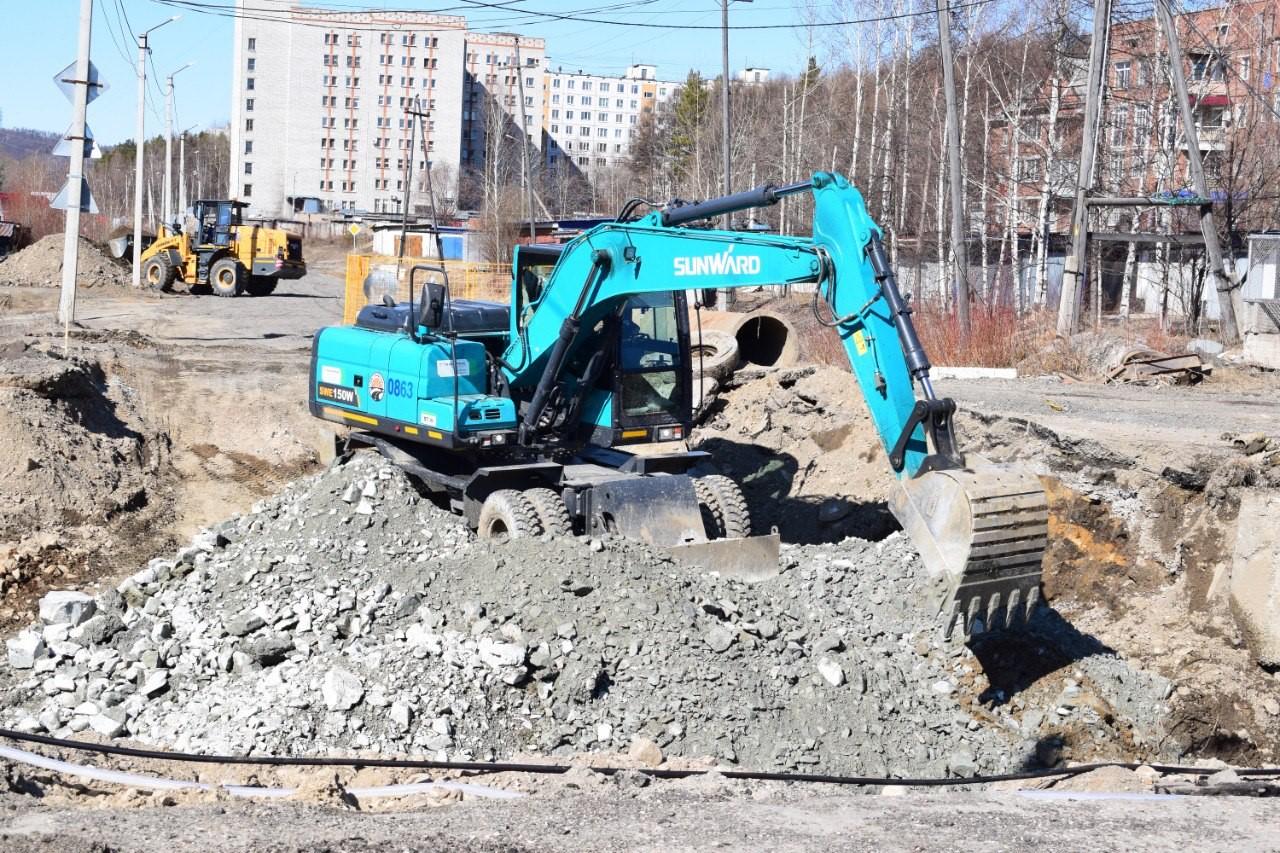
(667, 818)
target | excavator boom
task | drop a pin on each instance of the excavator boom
(981, 528)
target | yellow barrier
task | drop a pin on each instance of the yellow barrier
(467, 280)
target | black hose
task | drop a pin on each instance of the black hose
(551, 769)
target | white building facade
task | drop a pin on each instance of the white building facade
(590, 120)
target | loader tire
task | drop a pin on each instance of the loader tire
(551, 511)
(724, 507)
(226, 277)
(260, 285)
(507, 514)
(158, 274)
(715, 355)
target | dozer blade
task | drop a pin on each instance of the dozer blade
(754, 558)
(981, 531)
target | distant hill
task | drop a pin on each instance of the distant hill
(20, 142)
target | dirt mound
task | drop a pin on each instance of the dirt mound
(77, 461)
(40, 265)
(803, 446)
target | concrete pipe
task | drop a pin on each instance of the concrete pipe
(767, 339)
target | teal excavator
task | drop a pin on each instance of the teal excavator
(520, 416)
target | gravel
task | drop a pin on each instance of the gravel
(308, 627)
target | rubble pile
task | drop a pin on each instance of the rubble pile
(350, 613)
(40, 265)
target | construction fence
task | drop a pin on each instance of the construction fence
(370, 276)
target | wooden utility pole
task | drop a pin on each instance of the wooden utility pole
(959, 249)
(1226, 283)
(1073, 274)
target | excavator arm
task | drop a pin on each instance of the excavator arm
(981, 529)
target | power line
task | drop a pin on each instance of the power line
(574, 17)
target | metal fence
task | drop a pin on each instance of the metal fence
(467, 280)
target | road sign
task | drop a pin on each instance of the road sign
(66, 81)
(64, 146)
(353, 229)
(63, 198)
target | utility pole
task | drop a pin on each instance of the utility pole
(167, 206)
(959, 248)
(408, 191)
(1076, 263)
(182, 173)
(1226, 283)
(524, 145)
(724, 102)
(140, 142)
(75, 172)
(420, 116)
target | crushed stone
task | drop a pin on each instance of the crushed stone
(398, 631)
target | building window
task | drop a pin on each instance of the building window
(1119, 126)
(248, 168)
(248, 124)
(248, 190)
(1206, 67)
(248, 104)
(1123, 74)
(248, 83)
(570, 84)
(253, 44)
(253, 64)
(248, 146)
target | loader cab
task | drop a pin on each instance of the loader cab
(217, 220)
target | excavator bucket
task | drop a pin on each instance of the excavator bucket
(981, 531)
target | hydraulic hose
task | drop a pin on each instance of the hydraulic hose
(554, 769)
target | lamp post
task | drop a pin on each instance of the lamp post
(139, 142)
(167, 206)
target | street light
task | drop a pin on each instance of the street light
(168, 145)
(182, 172)
(140, 141)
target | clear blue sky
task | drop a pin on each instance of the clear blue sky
(38, 38)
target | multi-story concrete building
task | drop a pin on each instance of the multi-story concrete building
(501, 70)
(591, 119)
(319, 100)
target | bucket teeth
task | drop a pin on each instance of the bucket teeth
(982, 533)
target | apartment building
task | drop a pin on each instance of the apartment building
(1231, 59)
(503, 83)
(590, 120)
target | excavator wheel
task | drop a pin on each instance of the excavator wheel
(158, 274)
(724, 507)
(261, 285)
(507, 514)
(551, 511)
(226, 277)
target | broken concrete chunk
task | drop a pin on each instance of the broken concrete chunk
(243, 623)
(66, 607)
(831, 671)
(645, 751)
(341, 690)
(25, 649)
(1255, 574)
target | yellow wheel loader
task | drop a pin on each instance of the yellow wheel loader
(225, 255)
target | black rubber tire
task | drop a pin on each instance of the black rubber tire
(724, 507)
(551, 510)
(717, 354)
(158, 274)
(226, 277)
(507, 514)
(261, 285)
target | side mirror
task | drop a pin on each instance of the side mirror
(433, 299)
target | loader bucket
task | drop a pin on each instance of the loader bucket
(981, 531)
(754, 558)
